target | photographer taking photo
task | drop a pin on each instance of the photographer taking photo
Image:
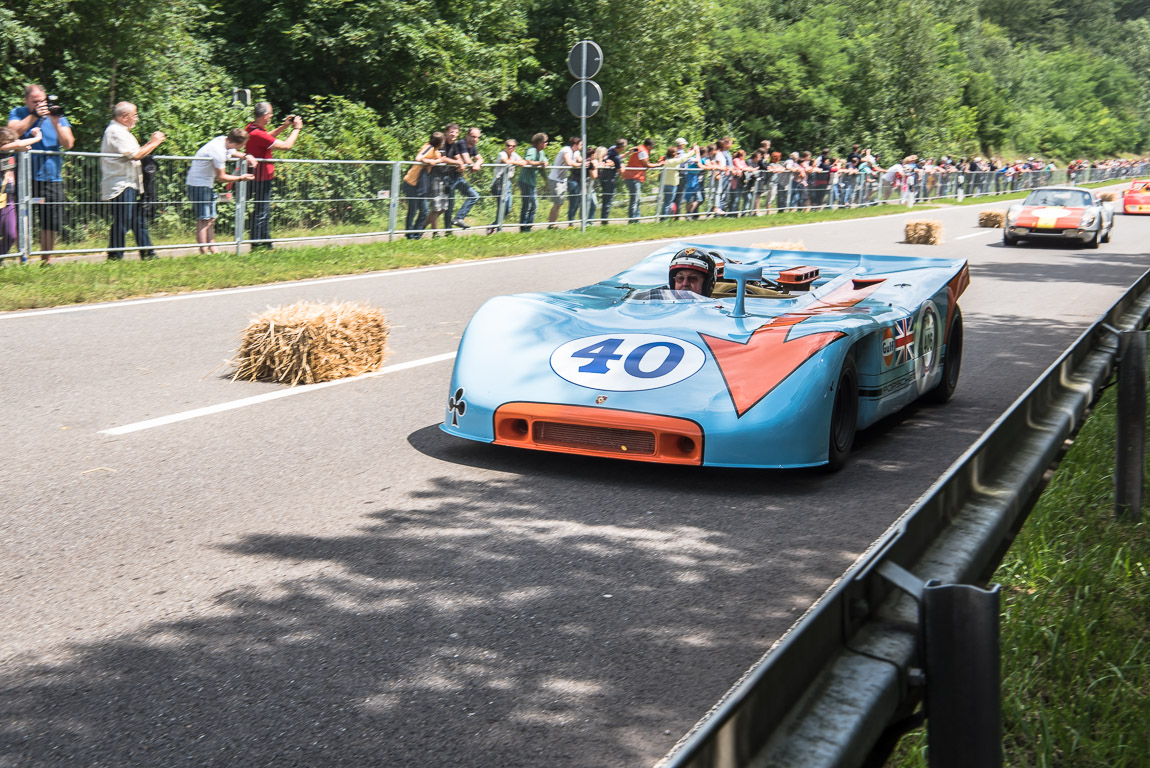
(47, 182)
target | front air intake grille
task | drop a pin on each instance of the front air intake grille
(622, 441)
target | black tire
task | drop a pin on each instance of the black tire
(844, 415)
(951, 362)
(1008, 240)
(1092, 242)
(1106, 236)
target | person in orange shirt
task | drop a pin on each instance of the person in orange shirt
(636, 173)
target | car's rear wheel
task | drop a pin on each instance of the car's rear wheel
(1106, 236)
(951, 362)
(844, 415)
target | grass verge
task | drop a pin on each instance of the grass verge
(1075, 623)
(77, 282)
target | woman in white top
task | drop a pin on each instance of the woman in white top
(501, 185)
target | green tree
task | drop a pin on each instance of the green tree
(420, 63)
(780, 80)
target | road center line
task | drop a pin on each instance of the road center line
(267, 396)
(976, 234)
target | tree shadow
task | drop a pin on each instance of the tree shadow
(476, 623)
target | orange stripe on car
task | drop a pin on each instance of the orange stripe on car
(752, 368)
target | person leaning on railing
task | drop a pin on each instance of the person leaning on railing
(122, 182)
(507, 161)
(417, 184)
(208, 167)
(534, 159)
(9, 145)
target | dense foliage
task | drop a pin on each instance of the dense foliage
(1051, 77)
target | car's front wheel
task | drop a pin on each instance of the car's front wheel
(844, 415)
(1093, 242)
(1008, 240)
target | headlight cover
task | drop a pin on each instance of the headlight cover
(1012, 213)
(1088, 219)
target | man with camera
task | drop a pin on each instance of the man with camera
(122, 181)
(41, 111)
(261, 142)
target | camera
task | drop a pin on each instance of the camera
(53, 107)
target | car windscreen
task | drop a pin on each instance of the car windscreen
(1068, 198)
(665, 294)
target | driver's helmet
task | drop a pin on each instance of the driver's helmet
(700, 261)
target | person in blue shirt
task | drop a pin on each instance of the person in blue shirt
(47, 182)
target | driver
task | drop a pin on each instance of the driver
(692, 270)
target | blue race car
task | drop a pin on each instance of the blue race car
(764, 358)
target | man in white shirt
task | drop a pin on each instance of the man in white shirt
(122, 182)
(208, 168)
(559, 181)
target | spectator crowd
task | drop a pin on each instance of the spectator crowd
(682, 180)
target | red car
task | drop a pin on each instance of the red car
(1136, 199)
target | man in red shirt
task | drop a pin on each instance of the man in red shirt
(261, 142)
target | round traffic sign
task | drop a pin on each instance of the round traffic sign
(585, 59)
(584, 98)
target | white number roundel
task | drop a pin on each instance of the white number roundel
(627, 362)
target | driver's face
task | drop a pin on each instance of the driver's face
(688, 280)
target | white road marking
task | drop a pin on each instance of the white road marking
(257, 399)
(977, 234)
(391, 273)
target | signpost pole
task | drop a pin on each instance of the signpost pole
(583, 165)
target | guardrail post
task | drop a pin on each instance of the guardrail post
(1131, 450)
(963, 696)
(24, 204)
(393, 203)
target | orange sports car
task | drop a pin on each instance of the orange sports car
(1136, 199)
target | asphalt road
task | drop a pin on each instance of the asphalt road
(326, 579)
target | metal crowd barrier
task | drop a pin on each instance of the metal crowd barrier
(341, 199)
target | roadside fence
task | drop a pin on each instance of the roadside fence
(326, 200)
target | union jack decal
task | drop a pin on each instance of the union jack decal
(903, 341)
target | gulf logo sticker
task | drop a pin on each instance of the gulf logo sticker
(627, 362)
(887, 347)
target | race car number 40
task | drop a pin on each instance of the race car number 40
(627, 362)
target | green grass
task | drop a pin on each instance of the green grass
(1075, 623)
(76, 282)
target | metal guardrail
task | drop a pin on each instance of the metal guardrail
(347, 199)
(824, 694)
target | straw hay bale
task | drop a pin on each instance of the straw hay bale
(308, 342)
(924, 232)
(782, 245)
(992, 219)
(1107, 197)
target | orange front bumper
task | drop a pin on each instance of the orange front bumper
(599, 432)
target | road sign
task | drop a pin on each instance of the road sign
(585, 59)
(584, 98)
